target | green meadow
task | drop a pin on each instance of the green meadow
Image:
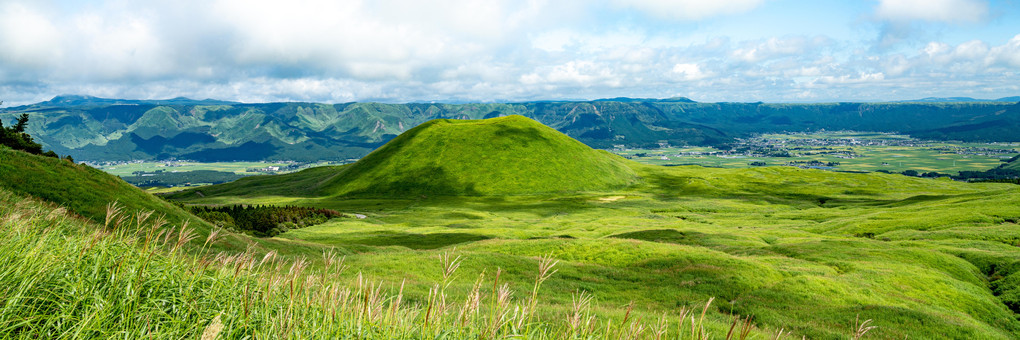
(803, 250)
(573, 243)
(807, 251)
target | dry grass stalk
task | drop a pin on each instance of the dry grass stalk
(96, 236)
(661, 328)
(701, 322)
(861, 328)
(184, 236)
(213, 330)
(212, 238)
(545, 271)
(780, 334)
(333, 263)
(142, 216)
(743, 331)
(580, 320)
(165, 235)
(395, 305)
(269, 257)
(472, 302)
(114, 215)
(684, 312)
(431, 301)
(450, 265)
(636, 328)
(502, 297)
(54, 214)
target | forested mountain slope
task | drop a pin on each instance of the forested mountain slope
(108, 129)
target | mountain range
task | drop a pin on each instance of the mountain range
(99, 129)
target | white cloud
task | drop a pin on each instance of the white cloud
(952, 11)
(1008, 54)
(754, 52)
(689, 71)
(553, 41)
(577, 72)
(114, 49)
(475, 50)
(689, 9)
(28, 38)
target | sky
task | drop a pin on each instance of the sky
(509, 50)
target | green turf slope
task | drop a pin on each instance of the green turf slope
(87, 191)
(1013, 164)
(498, 156)
(80, 188)
(511, 155)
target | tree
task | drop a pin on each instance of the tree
(16, 138)
(22, 123)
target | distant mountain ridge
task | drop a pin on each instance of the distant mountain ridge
(959, 100)
(79, 100)
(90, 128)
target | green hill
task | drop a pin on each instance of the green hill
(81, 189)
(507, 155)
(87, 192)
(804, 250)
(1014, 163)
(510, 155)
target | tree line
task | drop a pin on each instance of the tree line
(263, 220)
(16, 138)
(1000, 174)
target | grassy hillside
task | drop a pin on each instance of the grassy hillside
(89, 193)
(510, 155)
(507, 155)
(1014, 163)
(68, 277)
(804, 250)
(81, 189)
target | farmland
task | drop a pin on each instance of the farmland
(841, 151)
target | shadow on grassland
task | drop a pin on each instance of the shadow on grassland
(686, 237)
(412, 240)
(416, 183)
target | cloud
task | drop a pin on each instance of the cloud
(28, 38)
(689, 71)
(754, 52)
(689, 9)
(1007, 55)
(475, 50)
(950, 11)
(577, 73)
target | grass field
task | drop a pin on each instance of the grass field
(808, 253)
(932, 156)
(803, 250)
(922, 156)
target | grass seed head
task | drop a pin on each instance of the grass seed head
(213, 330)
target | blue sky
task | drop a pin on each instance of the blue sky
(510, 50)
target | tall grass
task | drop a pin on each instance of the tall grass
(135, 276)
